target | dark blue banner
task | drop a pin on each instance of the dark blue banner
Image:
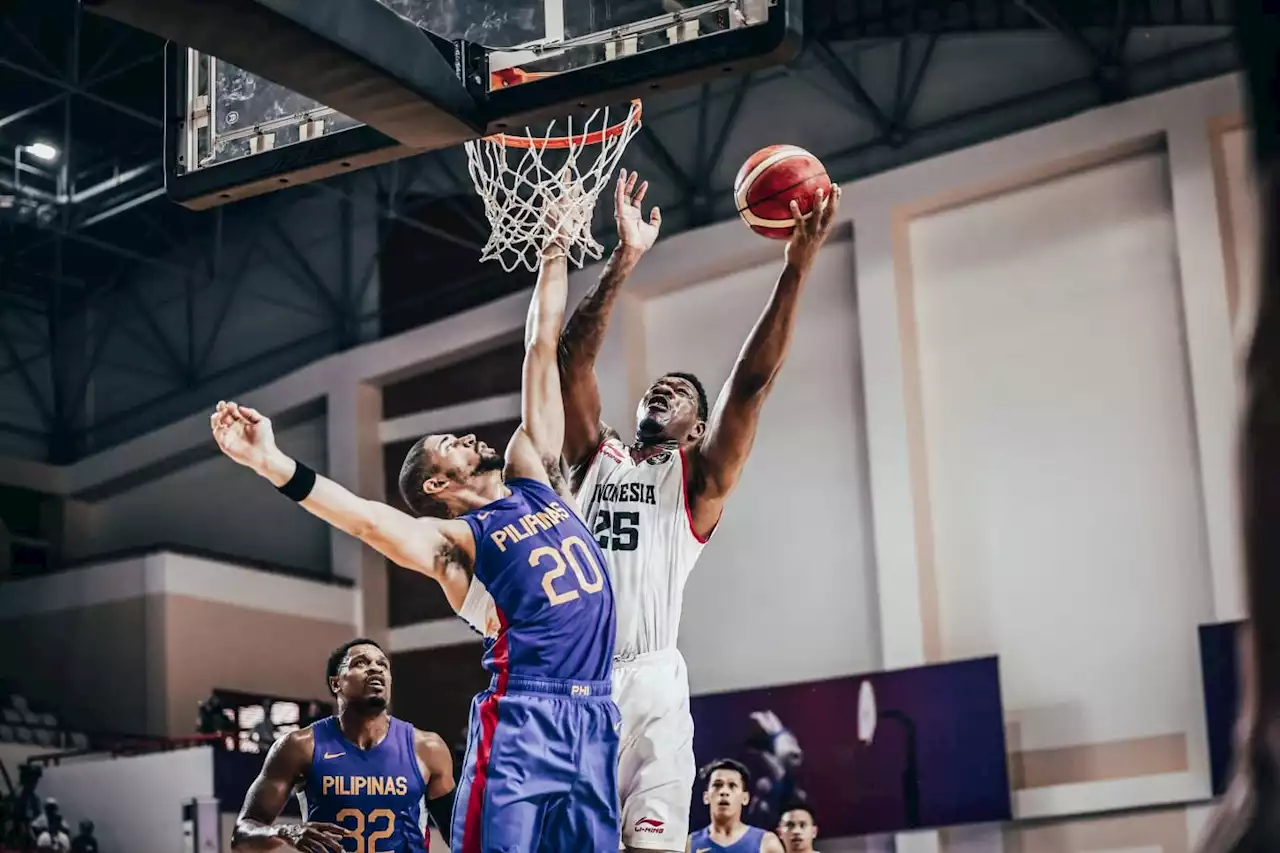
(936, 756)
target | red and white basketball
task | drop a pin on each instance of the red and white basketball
(768, 182)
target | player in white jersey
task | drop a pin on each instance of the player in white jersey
(654, 503)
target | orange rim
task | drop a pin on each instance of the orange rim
(514, 77)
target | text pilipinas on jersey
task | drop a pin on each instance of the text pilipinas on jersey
(355, 786)
(529, 524)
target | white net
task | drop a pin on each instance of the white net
(537, 186)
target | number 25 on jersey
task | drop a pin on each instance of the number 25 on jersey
(563, 559)
(617, 531)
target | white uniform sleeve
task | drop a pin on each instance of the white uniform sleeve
(479, 610)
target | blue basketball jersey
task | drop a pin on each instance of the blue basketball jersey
(377, 794)
(700, 842)
(545, 573)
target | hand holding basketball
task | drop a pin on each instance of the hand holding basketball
(243, 434)
(633, 231)
(811, 231)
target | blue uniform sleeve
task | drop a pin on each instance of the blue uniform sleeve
(477, 533)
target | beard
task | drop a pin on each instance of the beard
(373, 704)
(493, 462)
(649, 429)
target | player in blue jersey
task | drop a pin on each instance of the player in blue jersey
(518, 564)
(362, 775)
(726, 795)
(797, 827)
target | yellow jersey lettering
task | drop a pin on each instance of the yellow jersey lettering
(354, 786)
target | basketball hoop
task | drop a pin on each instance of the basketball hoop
(518, 175)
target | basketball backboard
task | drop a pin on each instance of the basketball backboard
(236, 131)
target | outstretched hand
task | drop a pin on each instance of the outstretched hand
(634, 231)
(244, 434)
(811, 231)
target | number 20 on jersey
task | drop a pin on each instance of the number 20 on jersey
(572, 554)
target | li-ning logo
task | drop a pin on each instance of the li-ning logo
(650, 824)
(580, 690)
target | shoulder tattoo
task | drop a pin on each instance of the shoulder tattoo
(555, 473)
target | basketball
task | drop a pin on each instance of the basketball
(769, 181)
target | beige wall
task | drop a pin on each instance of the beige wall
(133, 646)
(1152, 832)
(210, 644)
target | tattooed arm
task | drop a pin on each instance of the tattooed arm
(441, 549)
(581, 339)
(731, 429)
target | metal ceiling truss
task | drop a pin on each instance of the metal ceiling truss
(849, 20)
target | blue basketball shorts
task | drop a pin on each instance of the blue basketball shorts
(541, 772)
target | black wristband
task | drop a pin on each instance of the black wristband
(300, 484)
(441, 811)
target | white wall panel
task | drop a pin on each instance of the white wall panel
(1069, 534)
(785, 591)
(135, 803)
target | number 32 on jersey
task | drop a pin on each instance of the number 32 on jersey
(369, 829)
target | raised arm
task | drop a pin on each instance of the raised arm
(731, 429)
(580, 342)
(255, 829)
(534, 450)
(437, 548)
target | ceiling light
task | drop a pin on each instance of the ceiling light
(43, 151)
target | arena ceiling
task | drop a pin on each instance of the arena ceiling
(120, 311)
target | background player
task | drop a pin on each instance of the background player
(780, 753)
(518, 565)
(360, 774)
(726, 795)
(797, 828)
(654, 504)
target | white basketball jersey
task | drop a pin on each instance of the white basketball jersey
(639, 514)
